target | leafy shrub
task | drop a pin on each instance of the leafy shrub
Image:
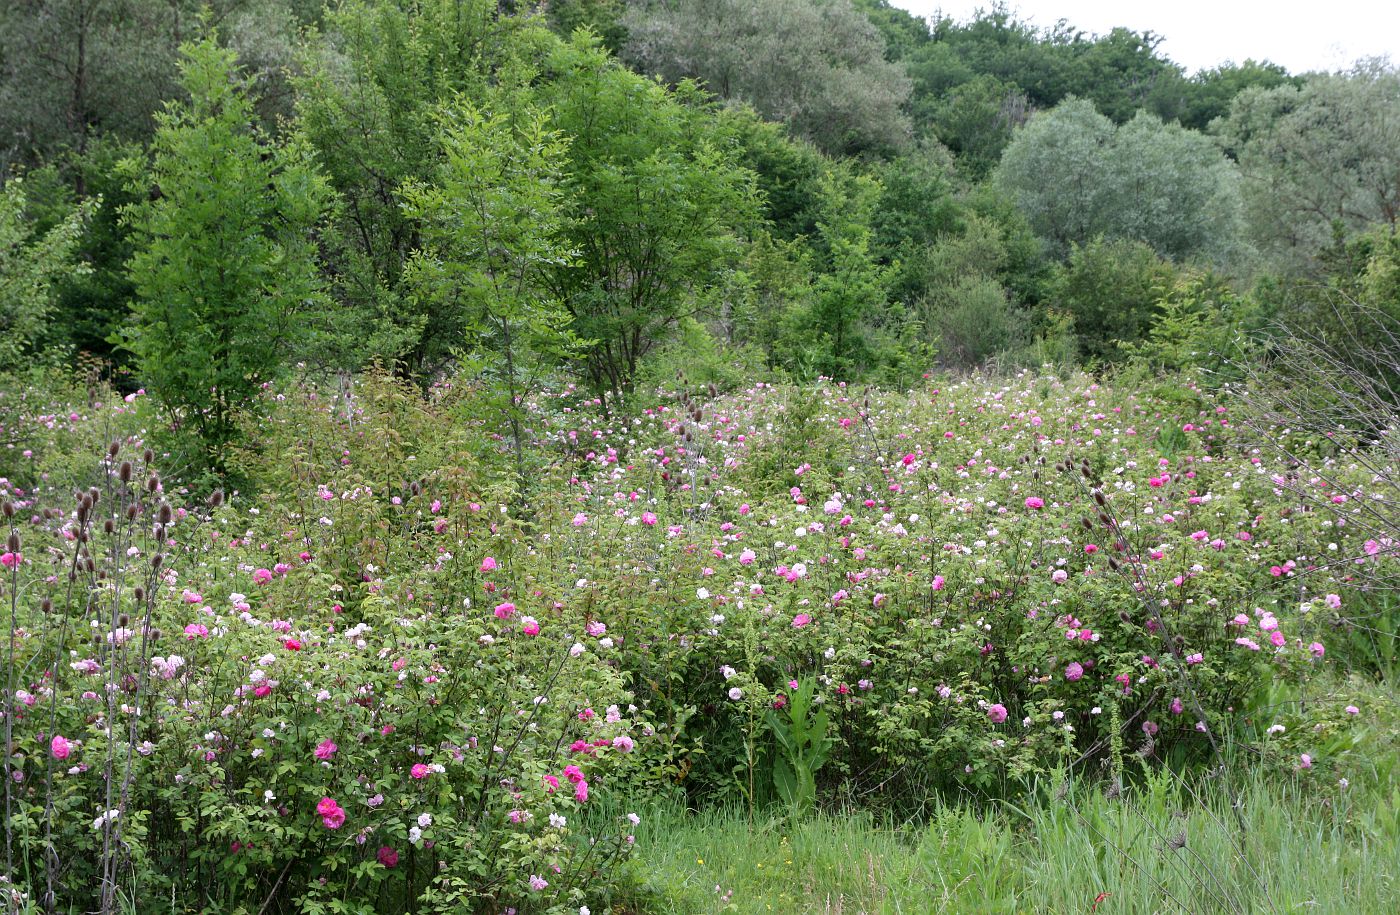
(1111, 288)
(342, 699)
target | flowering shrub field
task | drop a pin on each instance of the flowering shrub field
(395, 676)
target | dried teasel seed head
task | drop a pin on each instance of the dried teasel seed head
(152, 483)
(9, 509)
(1099, 497)
(164, 514)
(114, 449)
(148, 457)
(46, 606)
(108, 527)
(95, 494)
(123, 619)
(216, 499)
(124, 472)
(139, 593)
(157, 560)
(131, 513)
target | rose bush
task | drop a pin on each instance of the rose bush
(397, 671)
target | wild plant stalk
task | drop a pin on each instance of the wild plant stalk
(81, 535)
(13, 544)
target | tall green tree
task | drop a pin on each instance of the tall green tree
(225, 270)
(656, 206)
(492, 229)
(976, 120)
(371, 86)
(1209, 93)
(73, 72)
(846, 327)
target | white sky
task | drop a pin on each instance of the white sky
(1204, 33)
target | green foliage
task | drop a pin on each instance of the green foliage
(800, 730)
(1056, 171)
(91, 306)
(654, 204)
(492, 230)
(75, 73)
(787, 173)
(1076, 176)
(902, 30)
(1111, 288)
(848, 327)
(973, 320)
(225, 263)
(972, 75)
(976, 120)
(696, 362)
(1346, 321)
(916, 205)
(1210, 93)
(31, 265)
(816, 65)
(368, 100)
(1202, 329)
(1325, 152)
(602, 17)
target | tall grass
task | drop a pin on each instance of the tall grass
(1160, 846)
